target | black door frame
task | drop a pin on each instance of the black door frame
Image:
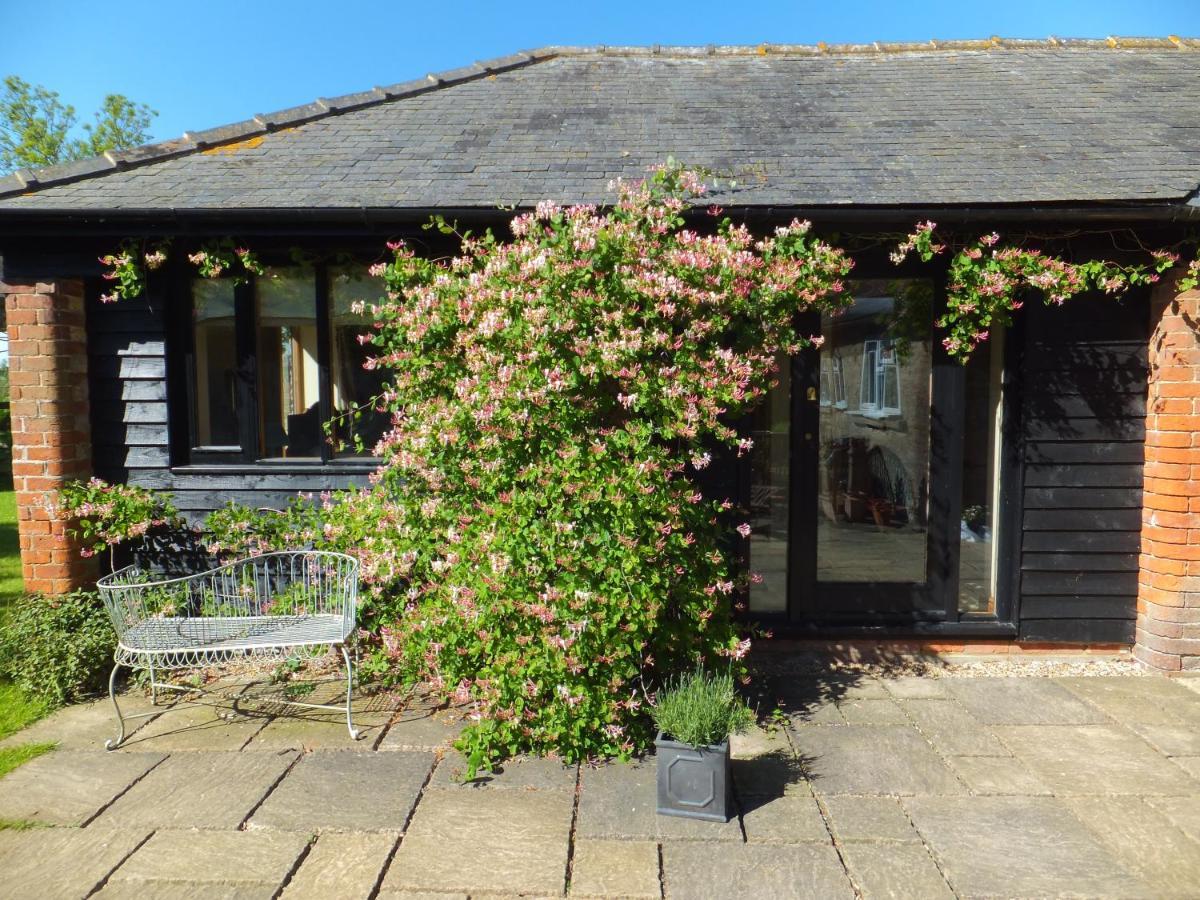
(896, 609)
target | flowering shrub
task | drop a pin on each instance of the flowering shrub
(552, 399)
(987, 281)
(127, 269)
(108, 514)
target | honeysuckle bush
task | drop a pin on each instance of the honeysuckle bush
(989, 279)
(535, 544)
(554, 398)
(104, 515)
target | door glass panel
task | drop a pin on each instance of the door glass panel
(980, 485)
(215, 375)
(288, 373)
(873, 468)
(769, 478)
(352, 385)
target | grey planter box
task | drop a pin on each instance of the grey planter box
(693, 782)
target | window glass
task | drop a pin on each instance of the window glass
(288, 371)
(215, 364)
(769, 503)
(352, 288)
(873, 464)
(980, 481)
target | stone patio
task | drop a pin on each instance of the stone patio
(869, 786)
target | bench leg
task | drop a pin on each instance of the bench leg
(349, 684)
(153, 686)
(112, 695)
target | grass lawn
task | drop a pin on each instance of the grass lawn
(16, 710)
(11, 584)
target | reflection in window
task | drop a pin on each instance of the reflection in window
(873, 463)
(353, 386)
(288, 371)
(833, 382)
(215, 363)
(879, 393)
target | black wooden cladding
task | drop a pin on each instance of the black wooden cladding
(1082, 426)
(131, 424)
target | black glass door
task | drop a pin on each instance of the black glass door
(856, 479)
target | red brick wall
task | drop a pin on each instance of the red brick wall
(1168, 622)
(51, 433)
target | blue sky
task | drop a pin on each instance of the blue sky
(208, 63)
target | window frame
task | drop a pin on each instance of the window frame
(187, 453)
(873, 350)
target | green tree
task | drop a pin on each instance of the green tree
(36, 126)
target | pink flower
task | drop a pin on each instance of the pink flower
(744, 529)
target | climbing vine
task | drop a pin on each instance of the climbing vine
(988, 280)
(127, 267)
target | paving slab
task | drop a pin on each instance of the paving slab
(1018, 847)
(895, 871)
(199, 790)
(1189, 764)
(791, 819)
(1182, 810)
(617, 800)
(615, 869)
(423, 728)
(341, 865)
(69, 787)
(997, 775)
(915, 687)
(869, 819)
(759, 741)
(951, 729)
(184, 890)
(83, 726)
(235, 858)
(502, 841)
(872, 759)
(524, 773)
(1144, 841)
(694, 871)
(1094, 759)
(1170, 740)
(871, 711)
(772, 775)
(197, 727)
(319, 729)
(336, 790)
(1022, 701)
(1147, 700)
(61, 862)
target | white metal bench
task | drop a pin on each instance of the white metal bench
(300, 602)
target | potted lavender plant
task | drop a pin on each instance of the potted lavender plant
(695, 715)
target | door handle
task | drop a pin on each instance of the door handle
(811, 395)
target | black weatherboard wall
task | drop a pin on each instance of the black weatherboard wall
(1081, 430)
(133, 409)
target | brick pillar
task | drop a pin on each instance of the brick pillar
(1168, 621)
(47, 350)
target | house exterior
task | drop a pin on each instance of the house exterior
(1047, 492)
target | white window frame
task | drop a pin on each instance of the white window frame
(878, 357)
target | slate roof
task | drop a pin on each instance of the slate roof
(988, 122)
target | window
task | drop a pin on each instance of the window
(272, 360)
(833, 382)
(879, 392)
